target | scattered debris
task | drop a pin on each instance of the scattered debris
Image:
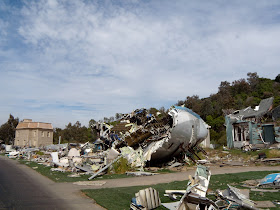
(155, 137)
(195, 192)
(104, 168)
(270, 181)
(233, 163)
(234, 197)
(250, 183)
(263, 190)
(264, 204)
(140, 173)
(176, 165)
(146, 199)
(90, 183)
(277, 202)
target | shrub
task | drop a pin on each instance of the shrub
(121, 166)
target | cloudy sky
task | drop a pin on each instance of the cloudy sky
(63, 61)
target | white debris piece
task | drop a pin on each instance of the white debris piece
(73, 152)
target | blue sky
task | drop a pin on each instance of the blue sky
(63, 61)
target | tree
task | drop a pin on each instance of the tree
(118, 116)
(91, 123)
(253, 79)
(106, 119)
(224, 87)
(206, 108)
(111, 119)
(8, 129)
(153, 111)
(56, 133)
(240, 86)
(277, 78)
(224, 99)
(194, 103)
(75, 133)
(180, 103)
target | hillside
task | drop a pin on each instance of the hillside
(236, 95)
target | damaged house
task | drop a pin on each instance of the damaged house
(244, 127)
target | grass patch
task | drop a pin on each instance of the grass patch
(58, 176)
(163, 171)
(120, 198)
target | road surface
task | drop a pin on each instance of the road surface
(23, 188)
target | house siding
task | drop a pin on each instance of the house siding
(32, 135)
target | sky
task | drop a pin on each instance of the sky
(73, 60)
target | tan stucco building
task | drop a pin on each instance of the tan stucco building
(33, 134)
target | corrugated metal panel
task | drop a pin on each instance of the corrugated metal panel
(268, 133)
(256, 131)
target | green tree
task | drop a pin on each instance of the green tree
(91, 123)
(277, 78)
(153, 111)
(75, 133)
(194, 103)
(206, 108)
(253, 80)
(118, 116)
(8, 129)
(56, 133)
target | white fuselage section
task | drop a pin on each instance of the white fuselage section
(188, 130)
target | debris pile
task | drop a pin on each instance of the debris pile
(195, 195)
(157, 137)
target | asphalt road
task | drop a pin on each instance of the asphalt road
(19, 191)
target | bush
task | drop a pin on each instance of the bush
(121, 166)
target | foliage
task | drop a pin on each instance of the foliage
(232, 96)
(75, 133)
(121, 166)
(58, 176)
(39, 153)
(8, 129)
(277, 78)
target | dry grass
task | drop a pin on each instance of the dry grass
(274, 153)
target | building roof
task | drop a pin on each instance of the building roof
(276, 113)
(33, 125)
(264, 107)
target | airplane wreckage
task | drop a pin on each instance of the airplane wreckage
(156, 138)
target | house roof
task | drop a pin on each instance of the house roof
(32, 125)
(264, 107)
(276, 113)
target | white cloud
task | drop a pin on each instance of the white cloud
(113, 57)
